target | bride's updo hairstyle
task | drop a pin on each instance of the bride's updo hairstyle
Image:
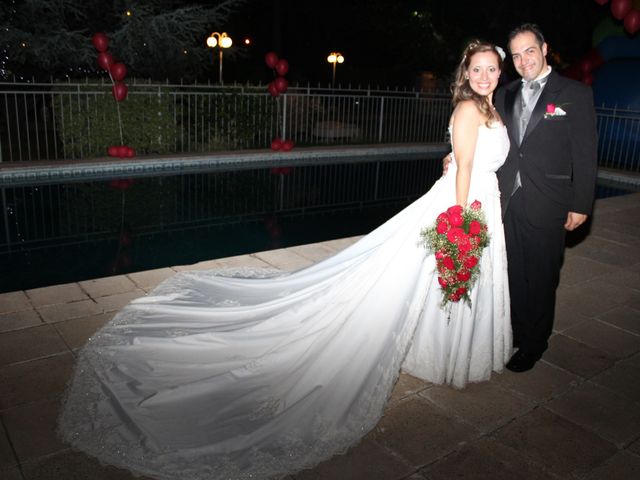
(460, 87)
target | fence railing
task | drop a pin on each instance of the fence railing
(60, 121)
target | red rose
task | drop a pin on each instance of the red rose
(448, 262)
(443, 217)
(454, 234)
(476, 205)
(461, 291)
(463, 275)
(551, 108)
(456, 220)
(440, 254)
(454, 297)
(443, 283)
(455, 209)
(442, 227)
(464, 245)
(471, 262)
(475, 227)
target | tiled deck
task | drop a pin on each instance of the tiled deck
(576, 415)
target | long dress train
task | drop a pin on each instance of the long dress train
(213, 377)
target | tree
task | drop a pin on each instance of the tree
(154, 38)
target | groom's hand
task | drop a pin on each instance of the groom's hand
(574, 220)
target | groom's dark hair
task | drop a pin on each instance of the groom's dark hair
(528, 27)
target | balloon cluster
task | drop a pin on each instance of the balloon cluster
(279, 85)
(117, 72)
(281, 67)
(626, 10)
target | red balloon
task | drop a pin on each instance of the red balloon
(273, 90)
(632, 21)
(282, 67)
(131, 152)
(287, 145)
(276, 144)
(588, 79)
(619, 8)
(281, 84)
(119, 91)
(105, 60)
(100, 41)
(601, 2)
(122, 151)
(271, 59)
(112, 151)
(118, 71)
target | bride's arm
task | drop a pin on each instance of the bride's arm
(466, 119)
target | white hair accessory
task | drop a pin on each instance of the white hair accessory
(500, 52)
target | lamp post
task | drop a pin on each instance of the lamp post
(335, 58)
(222, 40)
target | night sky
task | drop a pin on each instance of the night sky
(390, 42)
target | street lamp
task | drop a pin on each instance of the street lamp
(335, 58)
(223, 41)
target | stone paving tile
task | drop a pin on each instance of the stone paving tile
(7, 457)
(485, 405)
(10, 473)
(541, 383)
(314, 252)
(76, 332)
(36, 380)
(405, 386)
(71, 465)
(576, 357)
(623, 278)
(102, 287)
(611, 416)
(577, 269)
(284, 259)
(566, 317)
(366, 460)
(486, 459)
(589, 303)
(623, 317)
(30, 343)
(622, 378)
(634, 302)
(420, 432)
(341, 243)
(14, 302)
(634, 447)
(70, 292)
(606, 251)
(622, 466)
(31, 429)
(613, 341)
(151, 278)
(65, 311)
(564, 448)
(18, 320)
(113, 303)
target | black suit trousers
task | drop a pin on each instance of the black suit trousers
(534, 257)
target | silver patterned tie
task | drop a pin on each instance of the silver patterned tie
(529, 91)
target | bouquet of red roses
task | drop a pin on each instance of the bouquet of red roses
(457, 238)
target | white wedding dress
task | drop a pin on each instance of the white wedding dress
(213, 377)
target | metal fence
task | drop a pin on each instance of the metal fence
(619, 139)
(61, 121)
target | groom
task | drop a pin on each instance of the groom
(547, 184)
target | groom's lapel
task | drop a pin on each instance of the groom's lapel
(510, 98)
(548, 95)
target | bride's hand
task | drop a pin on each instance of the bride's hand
(445, 164)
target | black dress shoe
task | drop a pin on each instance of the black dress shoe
(522, 361)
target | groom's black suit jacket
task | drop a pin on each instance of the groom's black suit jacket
(557, 158)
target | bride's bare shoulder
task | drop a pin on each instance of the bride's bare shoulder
(467, 113)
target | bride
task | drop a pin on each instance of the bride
(229, 377)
